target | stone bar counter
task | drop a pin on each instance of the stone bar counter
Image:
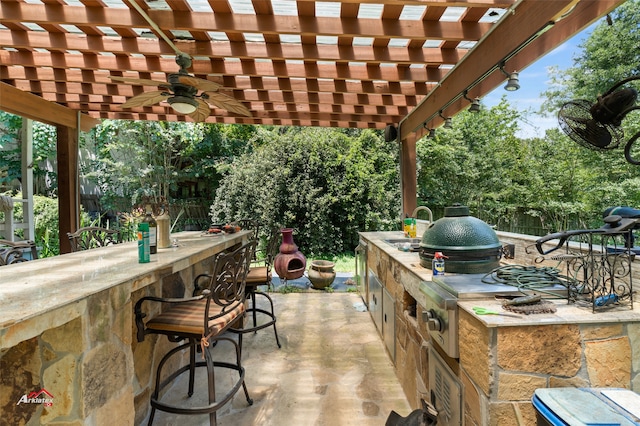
(503, 360)
(68, 354)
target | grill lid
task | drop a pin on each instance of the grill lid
(459, 231)
(470, 245)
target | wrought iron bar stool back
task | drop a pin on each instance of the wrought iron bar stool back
(249, 225)
(260, 275)
(201, 320)
(89, 237)
(13, 251)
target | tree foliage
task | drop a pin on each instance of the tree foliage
(480, 162)
(607, 56)
(45, 212)
(10, 153)
(44, 148)
(141, 159)
(595, 180)
(326, 183)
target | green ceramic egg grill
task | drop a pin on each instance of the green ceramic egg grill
(469, 244)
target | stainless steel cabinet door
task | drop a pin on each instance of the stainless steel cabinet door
(375, 300)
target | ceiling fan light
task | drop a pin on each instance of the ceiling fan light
(513, 83)
(183, 104)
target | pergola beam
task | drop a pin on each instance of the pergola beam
(94, 44)
(51, 14)
(17, 102)
(237, 82)
(377, 120)
(247, 67)
(97, 93)
(257, 121)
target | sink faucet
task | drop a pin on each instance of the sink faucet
(415, 212)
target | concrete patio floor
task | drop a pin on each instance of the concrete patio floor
(332, 369)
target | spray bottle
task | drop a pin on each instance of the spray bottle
(437, 264)
(143, 243)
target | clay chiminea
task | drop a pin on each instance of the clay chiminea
(290, 262)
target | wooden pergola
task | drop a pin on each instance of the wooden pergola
(396, 64)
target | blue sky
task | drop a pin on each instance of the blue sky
(533, 81)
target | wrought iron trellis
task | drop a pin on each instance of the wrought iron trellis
(599, 268)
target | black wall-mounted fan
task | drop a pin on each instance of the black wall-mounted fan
(181, 91)
(390, 133)
(597, 125)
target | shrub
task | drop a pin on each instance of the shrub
(327, 184)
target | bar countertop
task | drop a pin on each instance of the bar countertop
(39, 294)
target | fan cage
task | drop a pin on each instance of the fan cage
(576, 122)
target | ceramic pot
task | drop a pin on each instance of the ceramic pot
(321, 273)
(290, 263)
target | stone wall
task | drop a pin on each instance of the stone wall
(87, 356)
(91, 368)
(502, 367)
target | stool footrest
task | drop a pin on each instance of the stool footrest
(210, 364)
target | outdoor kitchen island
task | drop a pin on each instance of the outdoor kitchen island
(490, 373)
(68, 355)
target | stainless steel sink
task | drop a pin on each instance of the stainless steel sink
(405, 244)
(394, 241)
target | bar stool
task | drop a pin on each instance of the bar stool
(202, 321)
(260, 275)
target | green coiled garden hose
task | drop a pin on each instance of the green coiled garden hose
(528, 278)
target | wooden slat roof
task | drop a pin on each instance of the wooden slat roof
(361, 64)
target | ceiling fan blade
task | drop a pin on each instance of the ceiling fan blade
(146, 99)
(228, 103)
(202, 112)
(143, 81)
(199, 83)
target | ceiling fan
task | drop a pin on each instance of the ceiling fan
(597, 125)
(181, 89)
(181, 92)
